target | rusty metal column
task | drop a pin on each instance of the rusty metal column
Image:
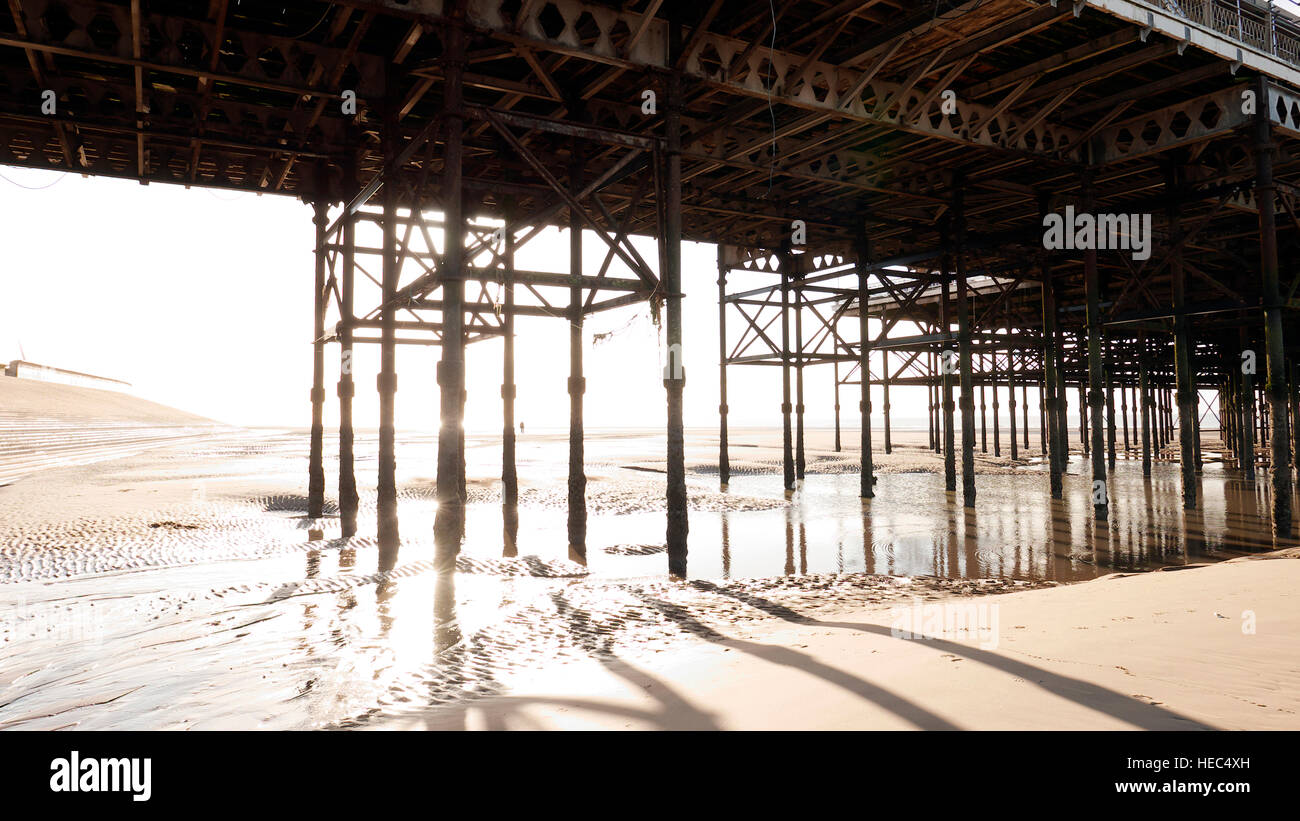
(932, 408)
(509, 469)
(836, 376)
(1295, 417)
(964, 353)
(1182, 356)
(1275, 384)
(984, 431)
(577, 519)
(1083, 419)
(1011, 405)
(449, 523)
(1110, 409)
(1042, 419)
(1024, 410)
(1052, 400)
(386, 381)
(1247, 417)
(1196, 424)
(1123, 415)
(316, 457)
(997, 407)
(348, 498)
(945, 366)
(724, 458)
(1062, 423)
(884, 381)
(800, 460)
(867, 487)
(675, 379)
(1092, 284)
(1144, 399)
(787, 437)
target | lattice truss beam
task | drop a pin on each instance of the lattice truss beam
(185, 99)
(823, 290)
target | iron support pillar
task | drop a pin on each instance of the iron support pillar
(1275, 385)
(964, 354)
(509, 469)
(449, 523)
(787, 406)
(1182, 355)
(349, 500)
(577, 519)
(316, 456)
(724, 458)
(386, 382)
(867, 487)
(675, 379)
(1096, 377)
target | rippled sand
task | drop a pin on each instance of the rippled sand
(184, 587)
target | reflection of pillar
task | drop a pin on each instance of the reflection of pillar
(577, 382)
(316, 465)
(724, 458)
(348, 499)
(509, 472)
(449, 522)
(675, 380)
(1275, 384)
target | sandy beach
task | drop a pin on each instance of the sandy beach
(177, 583)
(1154, 651)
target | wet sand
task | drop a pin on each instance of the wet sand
(183, 587)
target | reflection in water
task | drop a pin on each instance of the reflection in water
(314, 630)
(726, 544)
(446, 630)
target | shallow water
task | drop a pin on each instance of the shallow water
(184, 588)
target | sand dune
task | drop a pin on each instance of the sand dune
(45, 425)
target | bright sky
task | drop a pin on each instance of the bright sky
(202, 300)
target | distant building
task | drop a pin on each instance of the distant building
(30, 370)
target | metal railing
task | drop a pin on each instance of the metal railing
(1258, 25)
